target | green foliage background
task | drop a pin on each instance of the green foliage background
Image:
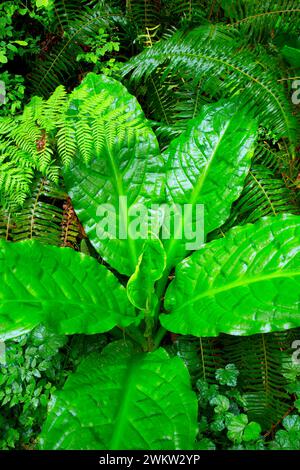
(176, 57)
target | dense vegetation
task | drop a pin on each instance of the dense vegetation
(147, 343)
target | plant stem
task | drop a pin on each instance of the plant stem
(160, 289)
(159, 337)
(134, 335)
(161, 286)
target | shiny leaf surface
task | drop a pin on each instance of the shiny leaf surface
(245, 283)
(124, 161)
(69, 291)
(150, 267)
(208, 164)
(122, 399)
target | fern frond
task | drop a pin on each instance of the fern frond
(263, 20)
(202, 356)
(145, 15)
(84, 139)
(260, 359)
(15, 183)
(272, 158)
(46, 215)
(72, 231)
(26, 146)
(53, 109)
(75, 26)
(185, 12)
(65, 141)
(263, 195)
(210, 51)
(176, 105)
(38, 218)
(49, 133)
(5, 223)
(98, 132)
(66, 11)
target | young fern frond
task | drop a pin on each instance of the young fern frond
(146, 16)
(27, 147)
(207, 52)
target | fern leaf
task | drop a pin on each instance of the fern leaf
(66, 143)
(84, 139)
(260, 20)
(202, 356)
(260, 359)
(46, 215)
(209, 51)
(98, 131)
(263, 195)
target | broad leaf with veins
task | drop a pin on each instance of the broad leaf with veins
(122, 399)
(124, 161)
(68, 291)
(208, 165)
(245, 283)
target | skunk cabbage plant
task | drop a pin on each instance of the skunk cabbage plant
(134, 394)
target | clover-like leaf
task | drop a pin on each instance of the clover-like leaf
(228, 375)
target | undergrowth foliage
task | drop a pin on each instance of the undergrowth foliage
(185, 102)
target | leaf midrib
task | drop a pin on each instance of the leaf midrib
(119, 183)
(239, 283)
(199, 186)
(123, 414)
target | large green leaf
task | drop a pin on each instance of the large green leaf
(245, 283)
(124, 161)
(121, 400)
(208, 164)
(70, 291)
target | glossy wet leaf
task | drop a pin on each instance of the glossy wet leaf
(150, 267)
(220, 403)
(123, 161)
(207, 165)
(122, 399)
(228, 375)
(236, 426)
(245, 283)
(66, 290)
(288, 438)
